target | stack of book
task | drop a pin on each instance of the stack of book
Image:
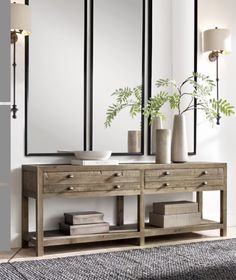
(174, 214)
(89, 222)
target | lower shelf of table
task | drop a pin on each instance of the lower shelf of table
(204, 225)
(56, 237)
(52, 238)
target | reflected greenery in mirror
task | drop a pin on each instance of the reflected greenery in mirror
(124, 98)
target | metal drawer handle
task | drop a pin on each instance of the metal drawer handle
(205, 183)
(70, 176)
(167, 173)
(166, 184)
(117, 187)
(70, 188)
(118, 174)
(205, 172)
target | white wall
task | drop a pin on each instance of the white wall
(214, 144)
(218, 143)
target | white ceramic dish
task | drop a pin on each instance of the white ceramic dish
(92, 155)
(89, 155)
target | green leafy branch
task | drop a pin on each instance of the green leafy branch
(201, 86)
(197, 88)
(154, 104)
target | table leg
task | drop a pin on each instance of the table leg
(141, 219)
(25, 222)
(223, 212)
(200, 202)
(120, 210)
(39, 227)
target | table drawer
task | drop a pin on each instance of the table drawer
(185, 185)
(91, 187)
(90, 177)
(183, 174)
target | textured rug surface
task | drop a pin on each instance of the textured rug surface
(205, 260)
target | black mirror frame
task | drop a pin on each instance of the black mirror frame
(27, 91)
(143, 83)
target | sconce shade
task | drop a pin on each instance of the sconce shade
(20, 18)
(217, 40)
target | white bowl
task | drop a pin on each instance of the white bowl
(93, 155)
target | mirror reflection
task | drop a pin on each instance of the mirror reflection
(56, 81)
(117, 58)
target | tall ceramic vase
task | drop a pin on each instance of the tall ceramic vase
(179, 149)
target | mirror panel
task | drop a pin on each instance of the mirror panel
(55, 105)
(117, 63)
(174, 55)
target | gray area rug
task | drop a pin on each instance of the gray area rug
(204, 260)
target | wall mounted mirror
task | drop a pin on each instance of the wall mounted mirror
(173, 55)
(55, 85)
(118, 61)
(55, 55)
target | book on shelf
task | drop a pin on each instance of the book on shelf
(94, 162)
(165, 221)
(86, 217)
(175, 207)
(84, 229)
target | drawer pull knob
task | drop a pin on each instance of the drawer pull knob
(204, 183)
(70, 176)
(117, 187)
(166, 184)
(118, 174)
(167, 173)
(70, 188)
(205, 172)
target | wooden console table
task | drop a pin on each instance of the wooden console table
(45, 181)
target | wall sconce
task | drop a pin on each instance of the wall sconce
(217, 41)
(20, 24)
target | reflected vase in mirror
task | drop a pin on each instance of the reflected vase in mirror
(179, 146)
(134, 141)
(163, 146)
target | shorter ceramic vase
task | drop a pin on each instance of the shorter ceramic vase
(134, 141)
(157, 124)
(163, 146)
(179, 146)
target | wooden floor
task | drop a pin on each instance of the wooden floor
(18, 254)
